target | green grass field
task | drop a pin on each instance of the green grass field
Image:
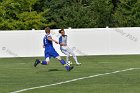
(19, 73)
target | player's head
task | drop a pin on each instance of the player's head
(62, 32)
(47, 30)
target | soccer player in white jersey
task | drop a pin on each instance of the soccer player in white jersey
(65, 49)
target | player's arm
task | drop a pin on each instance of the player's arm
(44, 42)
(50, 39)
(61, 44)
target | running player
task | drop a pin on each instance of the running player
(50, 51)
(65, 49)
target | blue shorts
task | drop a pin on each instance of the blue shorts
(51, 53)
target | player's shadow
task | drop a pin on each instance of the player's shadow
(75, 65)
(51, 70)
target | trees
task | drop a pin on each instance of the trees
(19, 14)
(28, 14)
(79, 13)
(127, 14)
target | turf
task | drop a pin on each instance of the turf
(19, 73)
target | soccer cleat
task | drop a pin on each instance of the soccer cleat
(78, 63)
(70, 68)
(36, 62)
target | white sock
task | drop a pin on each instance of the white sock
(67, 58)
(75, 58)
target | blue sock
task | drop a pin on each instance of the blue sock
(44, 63)
(67, 67)
(64, 63)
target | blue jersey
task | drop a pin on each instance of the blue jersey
(49, 49)
(47, 43)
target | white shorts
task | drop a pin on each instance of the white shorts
(66, 50)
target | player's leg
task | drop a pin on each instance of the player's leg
(44, 62)
(74, 56)
(68, 68)
(56, 55)
(67, 55)
(47, 59)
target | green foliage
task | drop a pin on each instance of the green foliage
(102, 10)
(71, 13)
(127, 14)
(19, 14)
(28, 14)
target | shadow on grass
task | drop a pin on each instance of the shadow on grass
(51, 70)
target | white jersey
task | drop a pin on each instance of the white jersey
(63, 39)
(66, 50)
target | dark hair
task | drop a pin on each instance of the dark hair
(61, 30)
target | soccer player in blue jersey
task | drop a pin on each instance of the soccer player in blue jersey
(65, 49)
(50, 51)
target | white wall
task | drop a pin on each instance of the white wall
(94, 41)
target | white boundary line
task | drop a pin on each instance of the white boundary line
(22, 90)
